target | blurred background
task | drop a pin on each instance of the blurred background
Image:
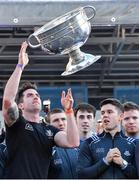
(114, 35)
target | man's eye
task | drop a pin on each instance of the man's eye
(55, 120)
(28, 95)
(126, 119)
(102, 113)
(63, 119)
(37, 95)
(81, 117)
(135, 117)
(89, 117)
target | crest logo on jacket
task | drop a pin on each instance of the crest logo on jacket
(57, 161)
(49, 133)
(127, 153)
(29, 127)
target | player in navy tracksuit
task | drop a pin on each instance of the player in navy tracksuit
(137, 157)
(64, 160)
(109, 155)
(92, 153)
(130, 124)
(63, 163)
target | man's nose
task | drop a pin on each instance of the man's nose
(131, 120)
(85, 120)
(60, 122)
(35, 96)
(105, 115)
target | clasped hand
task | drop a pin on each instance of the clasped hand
(114, 155)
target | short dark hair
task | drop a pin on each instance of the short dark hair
(85, 107)
(53, 111)
(129, 105)
(24, 87)
(112, 101)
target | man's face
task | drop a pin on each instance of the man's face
(110, 117)
(85, 121)
(130, 122)
(59, 120)
(31, 101)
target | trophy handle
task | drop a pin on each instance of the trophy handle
(32, 45)
(94, 11)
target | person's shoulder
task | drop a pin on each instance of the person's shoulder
(93, 139)
(50, 129)
(130, 140)
(48, 126)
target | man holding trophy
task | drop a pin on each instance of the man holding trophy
(29, 142)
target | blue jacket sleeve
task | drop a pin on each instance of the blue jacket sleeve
(86, 167)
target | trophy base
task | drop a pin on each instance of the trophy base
(73, 68)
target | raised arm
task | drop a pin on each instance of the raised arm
(71, 138)
(9, 107)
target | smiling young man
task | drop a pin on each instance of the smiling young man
(29, 142)
(109, 155)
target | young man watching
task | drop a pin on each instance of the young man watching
(130, 120)
(109, 155)
(130, 124)
(85, 119)
(64, 160)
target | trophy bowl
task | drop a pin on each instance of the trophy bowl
(65, 35)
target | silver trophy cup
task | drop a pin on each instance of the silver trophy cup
(65, 35)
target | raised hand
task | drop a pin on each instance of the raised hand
(67, 100)
(23, 56)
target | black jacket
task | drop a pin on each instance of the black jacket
(3, 158)
(94, 149)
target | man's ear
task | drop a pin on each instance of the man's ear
(20, 106)
(121, 117)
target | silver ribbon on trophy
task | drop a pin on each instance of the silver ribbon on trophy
(65, 35)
